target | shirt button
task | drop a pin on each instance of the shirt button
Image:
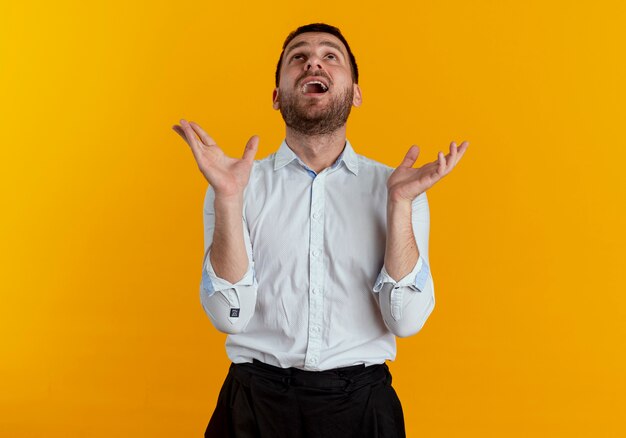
(316, 253)
(316, 291)
(315, 329)
(316, 215)
(313, 361)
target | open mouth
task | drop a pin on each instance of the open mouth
(314, 87)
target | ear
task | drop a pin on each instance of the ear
(357, 99)
(275, 101)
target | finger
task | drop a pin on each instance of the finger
(410, 157)
(462, 150)
(441, 170)
(189, 133)
(180, 132)
(251, 148)
(206, 138)
(453, 156)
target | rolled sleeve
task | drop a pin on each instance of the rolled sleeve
(229, 305)
(212, 283)
(416, 279)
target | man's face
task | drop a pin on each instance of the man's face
(316, 90)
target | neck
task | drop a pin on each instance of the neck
(317, 151)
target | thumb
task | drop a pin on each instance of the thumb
(410, 157)
(251, 148)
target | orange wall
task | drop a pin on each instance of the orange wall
(102, 331)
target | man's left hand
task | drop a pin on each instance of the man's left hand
(406, 182)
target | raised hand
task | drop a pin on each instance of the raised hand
(406, 182)
(228, 176)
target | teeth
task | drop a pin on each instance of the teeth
(324, 87)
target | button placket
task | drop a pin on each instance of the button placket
(316, 272)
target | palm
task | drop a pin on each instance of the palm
(228, 176)
(407, 182)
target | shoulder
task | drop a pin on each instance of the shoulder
(264, 163)
(262, 166)
(371, 167)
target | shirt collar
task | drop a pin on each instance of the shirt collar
(285, 155)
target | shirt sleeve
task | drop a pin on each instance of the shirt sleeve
(229, 306)
(407, 303)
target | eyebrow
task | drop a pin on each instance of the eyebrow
(322, 43)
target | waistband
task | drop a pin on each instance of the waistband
(346, 378)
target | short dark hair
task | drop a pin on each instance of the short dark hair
(319, 27)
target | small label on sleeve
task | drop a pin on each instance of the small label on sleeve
(234, 312)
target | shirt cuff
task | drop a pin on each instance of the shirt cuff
(416, 279)
(211, 283)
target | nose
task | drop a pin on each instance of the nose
(313, 62)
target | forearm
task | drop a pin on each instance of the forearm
(401, 252)
(228, 252)
(405, 284)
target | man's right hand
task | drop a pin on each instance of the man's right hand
(228, 176)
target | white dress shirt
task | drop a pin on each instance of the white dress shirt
(316, 295)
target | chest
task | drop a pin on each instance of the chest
(342, 220)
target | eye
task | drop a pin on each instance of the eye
(297, 56)
(331, 56)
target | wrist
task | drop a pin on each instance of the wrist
(398, 204)
(397, 196)
(228, 202)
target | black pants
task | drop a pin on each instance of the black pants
(262, 401)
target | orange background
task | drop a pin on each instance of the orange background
(102, 331)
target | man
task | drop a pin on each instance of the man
(315, 259)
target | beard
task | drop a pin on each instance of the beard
(306, 117)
